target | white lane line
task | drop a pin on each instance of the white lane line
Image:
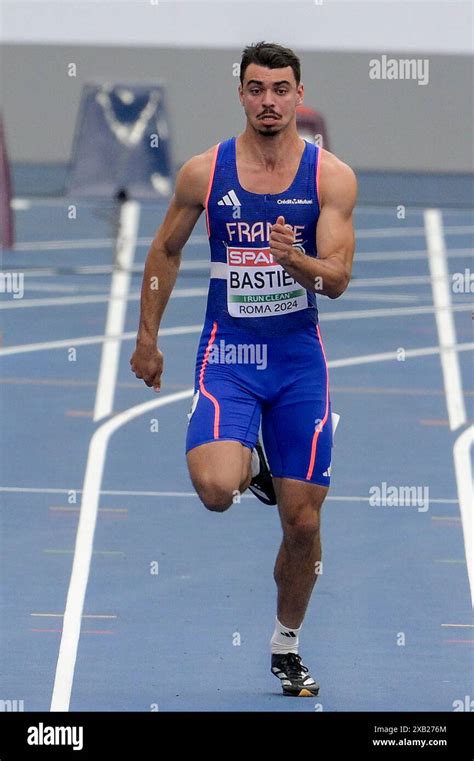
(362, 314)
(20, 204)
(204, 265)
(376, 282)
(444, 317)
(92, 243)
(186, 494)
(380, 257)
(86, 244)
(356, 295)
(63, 288)
(388, 355)
(54, 302)
(67, 343)
(464, 481)
(411, 232)
(194, 292)
(368, 210)
(117, 310)
(75, 300)
(47, 271)
(100, 269)
(199, 264)
(385, 298)
(452, 379)
(84, 542)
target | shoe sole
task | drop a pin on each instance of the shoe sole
(261, 496)
(303, 693)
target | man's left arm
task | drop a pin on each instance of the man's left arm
(330, 273)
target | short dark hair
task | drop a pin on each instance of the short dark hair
(271, 55)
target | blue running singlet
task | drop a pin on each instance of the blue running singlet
(261, 359)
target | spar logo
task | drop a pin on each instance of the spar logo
(251, 257)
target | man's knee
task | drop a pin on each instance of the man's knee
(214, 495)
(301, 527)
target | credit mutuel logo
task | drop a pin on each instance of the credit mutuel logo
(296, 201)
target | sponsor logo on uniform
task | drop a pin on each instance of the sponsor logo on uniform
(296, 201)
(230, 199)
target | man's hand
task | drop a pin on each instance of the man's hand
(147, 364)
(281, 241)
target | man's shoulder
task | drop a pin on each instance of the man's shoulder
(200, 164)
(194, 175)
(334, 166)
(336, 176)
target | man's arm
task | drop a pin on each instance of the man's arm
(330, 273)
(162, 265)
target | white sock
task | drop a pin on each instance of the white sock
(254, 464)
(284, 640)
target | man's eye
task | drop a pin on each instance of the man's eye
(282, 91)
(254, 91)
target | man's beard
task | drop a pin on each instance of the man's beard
(268, 134)
(269, 131)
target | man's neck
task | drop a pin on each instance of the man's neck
(270, 152)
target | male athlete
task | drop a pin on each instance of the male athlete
(279, 219)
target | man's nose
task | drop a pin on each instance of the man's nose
(268, 98)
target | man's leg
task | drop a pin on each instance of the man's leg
(297, 564)
(219, 470)
(296, 571)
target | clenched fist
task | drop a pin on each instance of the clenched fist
(147, 364)
(281, 241)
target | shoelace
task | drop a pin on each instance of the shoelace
(293, 666)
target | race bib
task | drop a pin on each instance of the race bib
(257, 286)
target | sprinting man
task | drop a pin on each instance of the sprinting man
(279, 219)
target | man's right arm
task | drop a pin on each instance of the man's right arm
(162, 264)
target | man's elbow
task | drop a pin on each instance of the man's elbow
(338, 287)
(161, 249)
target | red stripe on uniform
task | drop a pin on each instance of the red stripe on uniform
(318, 170)
(209, 188)
(314, 442)
(217, 410)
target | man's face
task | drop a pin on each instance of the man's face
(269, 98)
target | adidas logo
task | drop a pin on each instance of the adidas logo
(230, 199)
(327, 472)
(288, 634)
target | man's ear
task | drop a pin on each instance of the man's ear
(300, 91)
